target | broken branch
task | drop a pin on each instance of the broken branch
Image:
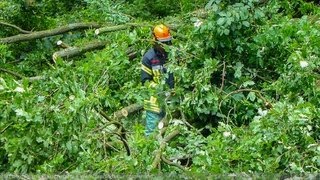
(121, 132)
(75, 51)
(163, 145)
(62, 44)
(47, 33)
(164, 159)
(124, 112)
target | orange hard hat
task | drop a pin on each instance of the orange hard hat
(162, 33)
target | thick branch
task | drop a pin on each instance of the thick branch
(16, 27)
(124, 112)
(110, 29)
(47, 33)
(163, 145)
(164, 159)
(119, 27)
(76, 51)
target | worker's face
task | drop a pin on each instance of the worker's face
(167, 43)
(160, 46)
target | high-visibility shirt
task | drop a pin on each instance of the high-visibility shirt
(152, 68)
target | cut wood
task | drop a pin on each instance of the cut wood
(124, 112)
(48, 33)
(75, 51)
(62, 44)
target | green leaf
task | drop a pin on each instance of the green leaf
(248, 83)
(237, 73)
(251, 96)
(226, 31)
(246, 23)
(221, 21)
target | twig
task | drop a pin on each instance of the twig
(164, 159)
(246, 90)
(121, 131)
(15, 27)
(123, 137)
(103, 114)
(3, 130)
(12, 73)
(112, 147)
(223, 75)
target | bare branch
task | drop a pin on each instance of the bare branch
(15, 27)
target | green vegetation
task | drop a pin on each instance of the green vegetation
(247, 95)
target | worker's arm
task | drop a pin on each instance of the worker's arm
(147, 74)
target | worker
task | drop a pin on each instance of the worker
(153, 70)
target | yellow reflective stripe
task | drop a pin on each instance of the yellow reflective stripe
(150, 104)
(153, 99)
(156, 76)
(152, 84)
(153, 109)
(146, 69)
(156, 72)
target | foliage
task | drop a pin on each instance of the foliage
(246, 96)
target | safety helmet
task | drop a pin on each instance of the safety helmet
(162, 33)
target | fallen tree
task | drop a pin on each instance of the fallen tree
(48, 33)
